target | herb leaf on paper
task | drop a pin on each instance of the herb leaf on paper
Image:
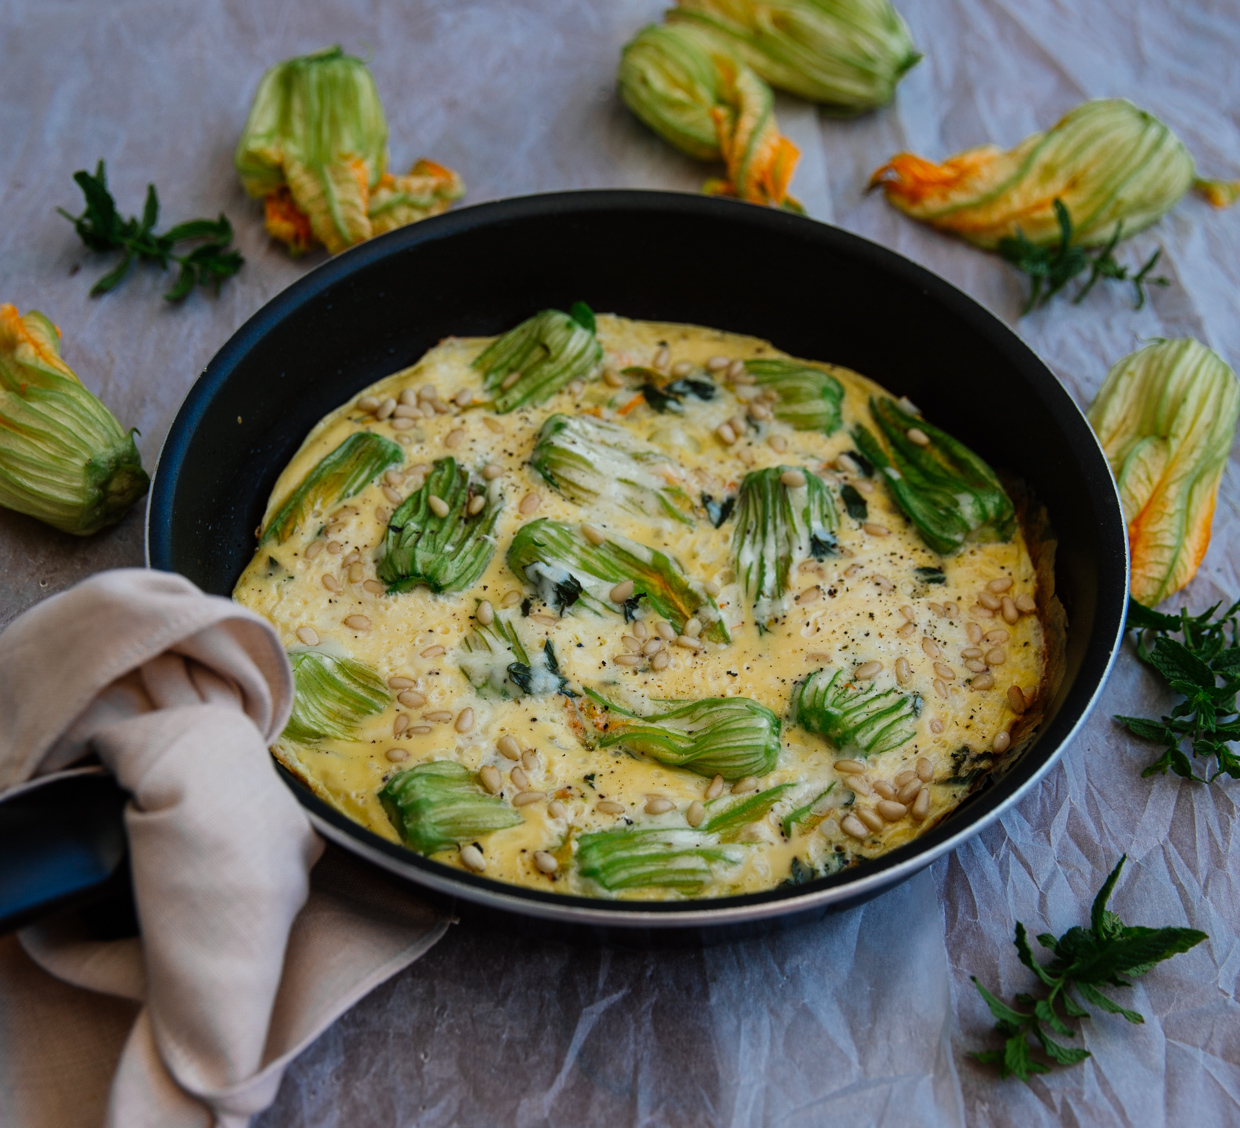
(1050, 269)
(1203, 666)
(1084, 958)
(101, 228)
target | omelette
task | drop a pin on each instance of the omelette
(632, 609)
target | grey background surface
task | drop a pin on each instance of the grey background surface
(866, 1018)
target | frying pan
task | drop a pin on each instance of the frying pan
(813, 290)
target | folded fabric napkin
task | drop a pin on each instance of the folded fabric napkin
(243, 957)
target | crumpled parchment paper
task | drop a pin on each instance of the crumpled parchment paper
(866, 1018)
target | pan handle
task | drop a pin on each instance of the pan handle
(63, 845)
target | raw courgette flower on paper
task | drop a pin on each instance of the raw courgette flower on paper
(64, 457)
(438, 805)
(1166, 417)
(702, 99)
(314, 149)
(846, 54)
(1107, 161)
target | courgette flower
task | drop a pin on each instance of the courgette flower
(699, 97)
(64, 457)
(1109, 162)
(848, 54)
(1166, 417)
(314, 149)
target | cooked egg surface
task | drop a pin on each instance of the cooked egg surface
(953, 641)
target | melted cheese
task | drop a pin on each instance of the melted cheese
(869, 593)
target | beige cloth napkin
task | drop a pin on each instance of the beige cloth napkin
(243, 960)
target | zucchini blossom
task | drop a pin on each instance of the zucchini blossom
(545, 353)
(594, 463)
(314, 148)
(809, 398)
(729, 736)
(438, 805)
(778, 523)
(1166, 417)
(567, 569)
(666, 858)
(349, 469)
(332, 696)
(64, 457)
(854, 717)
(846, 54)
(698, 96)
(445, 550)
(1110, 163)
(947, 492)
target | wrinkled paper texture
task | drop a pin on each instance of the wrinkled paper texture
(866, 1018)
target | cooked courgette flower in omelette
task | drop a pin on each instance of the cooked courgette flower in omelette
(314, 150)
(1111, 165)
(643, 610)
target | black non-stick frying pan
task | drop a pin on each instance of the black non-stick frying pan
(813, 290)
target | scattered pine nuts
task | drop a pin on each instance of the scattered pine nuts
(544, 862)
(556, 809)
(1010, 613)
(491, 471)
(385, 409)
(530, 502)
(925, 770)
(918, 436)
(308, 635)
(335, 547)
(1016, 699)
(627, 659)
(867, 670)
(396, 755)
(876, 530)
(974, 665)
(593, 534)
(890, 810)
(682, 368)
(661, 358)
(984, 681)
(612, 378)
(471, 858)
(511, 599)
(357, 622)
(1026, 604)
(689, 643)
(491, 779)
(432, 652)
(940, 687)
(399, 681)
(439, 507)
(464, 720)
(420, 728)
(778, 443)
(793, 479)
(622, 591)
(996, 657)
(989, 600)
(508, 381)
(1001, 585)
(493, 425)
(476, 504)
(1002, 741)
(717, 364)
(853, 826)
(738, 371)
(631, 644)
(974, 633)
(400, 724)
(859, 785)
(980, 612)
(529, 760)
(519, 779)
(356, 572)
(997, 636)
(726, 434)
(905, 777)
(909, 614)
(485, 613)
(508, 747)
(368, 403)
(693, 627)
(903, 671)
(936, 725)
(374, 587)
(696, 813)
(849, 767)
(930, 648)
(944, 671)
(665, 631)
(908, 630)
(716, 788)
(525, 798)
(909, 791)
(609, 807)
(661, 661)
(411, 698)
(921, 805)
(745, 785)
(871, 818)
(438, 716)
(652, 647)
(883, 789)
(658, 805)
(313, 549)
(331, 583)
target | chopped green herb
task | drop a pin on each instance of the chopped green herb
(854, 503)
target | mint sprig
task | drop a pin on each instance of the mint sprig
(1104, 953)
(1203, 665)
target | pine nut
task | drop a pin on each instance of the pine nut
(428, 392)
(593, 534)
(396, 755)
(871, 819)
(476, 504)
(940, 687)
(544, 862)
(712, 588)
(925, 770)
(859, 785)
(356, 572)
(989, 600)
(891, 810)
(368, 403)
(439, 507)
(530, 502)
(432, 652)
(909, 791)
(399, 681)
(385, 409)
(1001, 585)
(352, 558)
(997, 636)
(876, 530)
(411, 698)
(951, 610)
(809, 595)
(716, 788)
(996, 657)
(641, 630)
(778, 443)
(908, 630)
(918, 436)
(689, 643)
(849, 767)
(1026, 604)
(438, 716)
(936, 725)
(652, 647)
(1031, 694)
(331, 583)
(883, 789)
(609, 807)
(884, 583)
(491, 471)
(420, 728)
(511, 599)
(853, 826)
(909, 614)
(682, 368)
(464, 720)
(980, 612)
(737, 370)
(665, 631)
(519, 779)
(974, 633)
(696, 813)
(971, 652)
(631, 644)
(525, 798)
(471, 858)
(661, 660)
(374, 587)
(793, 479)
(903, 671)
(1016, 699)
(661, 358)
(491, 779)
(508, 381)
(308, 635)
(556, 809)
(508, 747)
(400, 724)
(1010, 613)
(930, 648)
(867, 670)
(657, 805)
(485, 613)
(984, 681)
(921, 805)
(745, 785)
(717, 364)
(1002, 741)
(904, 777)
(622, 591)
(726, 434)
(335, 547)
(693, 627)
(944, 671)
(852, 570)
(627, 659)
(313, 549)
(974, 665)
(357, 622)
(864, 486)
